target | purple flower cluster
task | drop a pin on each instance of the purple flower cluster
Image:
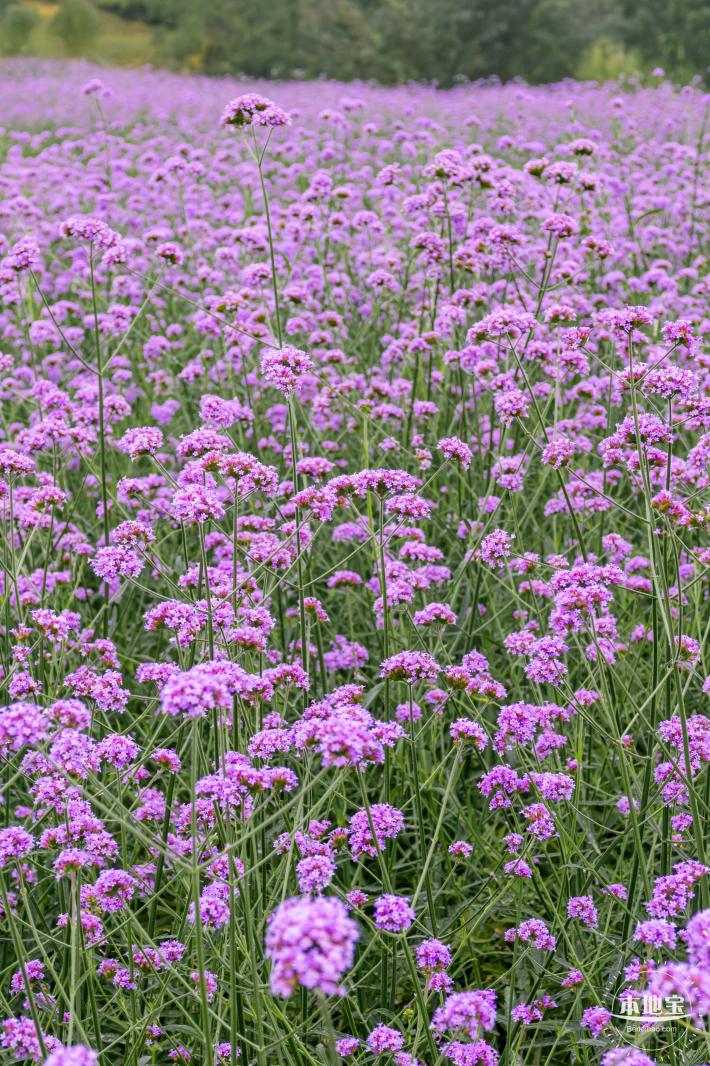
(311, 942)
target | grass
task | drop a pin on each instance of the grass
(119, 42)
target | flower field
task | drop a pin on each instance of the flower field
(354, 573)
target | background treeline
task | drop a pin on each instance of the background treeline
(386, 40)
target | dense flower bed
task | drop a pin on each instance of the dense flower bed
(354, 459)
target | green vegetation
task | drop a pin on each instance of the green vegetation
(16, 26)
(387, 40)
(76, 24)
(113, 40)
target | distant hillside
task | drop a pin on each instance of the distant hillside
(118, 40)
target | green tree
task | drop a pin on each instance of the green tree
(16, 27)
(76, 24)
(432, 40)
(674, 34)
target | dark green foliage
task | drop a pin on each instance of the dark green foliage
(433, 40)
(675, 33)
